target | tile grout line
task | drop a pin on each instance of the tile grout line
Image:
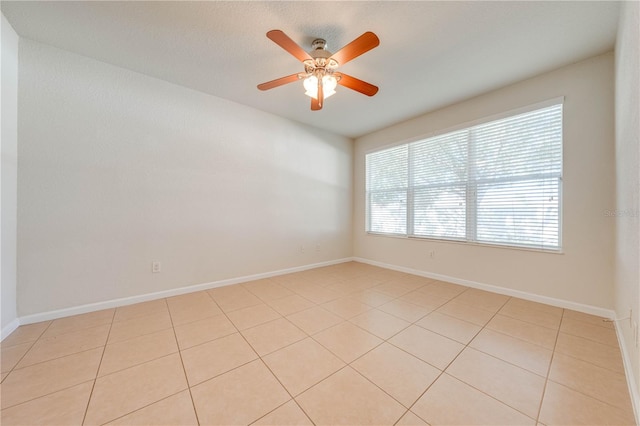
(166, 304)
(524, 340)
(285, 346)
(286, 390)
(462, 381)
(264, 364)
(593, 340)
(615, 407)
(144, 333)
(140, 363)
(513, 317)
(143, 407)
(513, 337)
(384, 339)
(27, 351)
(344, 320)
(509, 362)
(349, 364)
(62, 356)
(373, 383)
(499, 359)
(41, 362)
(310, 336)
(338, 356)
(280, 406)
(48, 394)
(278, 379)
(55, 359)
(184, 370)
(546, 381)
(439, 375)
(95, 380)
(589, 362)
(447, 337)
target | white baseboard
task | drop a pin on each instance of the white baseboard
(588, 309)
(91, 307)
(114, 303)
(628, 371)
(594, 310)
(10, 328)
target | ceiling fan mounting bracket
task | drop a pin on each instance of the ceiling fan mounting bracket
(321, 56)
(319, 44)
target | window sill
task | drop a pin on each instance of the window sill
(467, 243)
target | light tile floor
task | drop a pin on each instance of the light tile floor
(345, 344)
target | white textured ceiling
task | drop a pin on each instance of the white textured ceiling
(431, 54)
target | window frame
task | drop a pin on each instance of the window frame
(409, 204)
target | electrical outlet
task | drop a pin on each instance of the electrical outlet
(432, 254)
(301, 249)
(156, 267)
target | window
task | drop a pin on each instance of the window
(498, 182)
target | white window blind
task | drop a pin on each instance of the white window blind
(387, 183)
(498, 182)
(439, 176)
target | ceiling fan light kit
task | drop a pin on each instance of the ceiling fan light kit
(320, 78)
(329, 84)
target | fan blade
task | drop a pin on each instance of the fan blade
(320, 92)
(357, 47)
(283, 40)
(278, 82)
(315, 105)
(356, 84)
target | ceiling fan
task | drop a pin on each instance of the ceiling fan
(320, 76)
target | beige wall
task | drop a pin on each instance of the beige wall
(117, 169)
(583, 273)
(9, 173)
(627, 222)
